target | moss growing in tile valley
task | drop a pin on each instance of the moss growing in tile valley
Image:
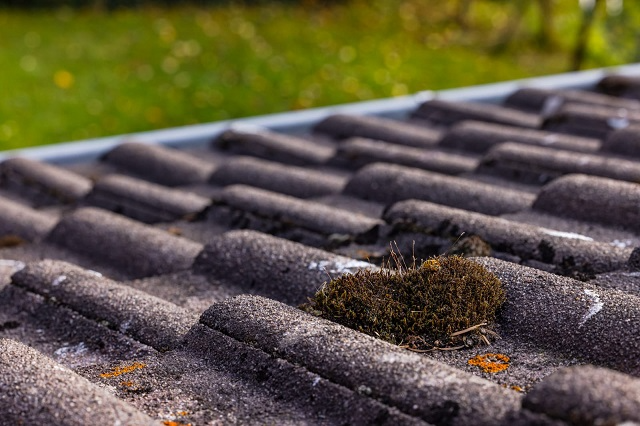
(422, 306)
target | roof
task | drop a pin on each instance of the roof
(146, 283)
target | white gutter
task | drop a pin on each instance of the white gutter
(300, 121)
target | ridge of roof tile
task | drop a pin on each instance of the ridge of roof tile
(446, 113)
(587, 395)
(539, 165)
(42, 183)
(388, 183)
(273, 146)
(281, 214)
(108, 238)
(270, 389)
(139, 315)
(414, 384)
(270, 266)
(24, 222)
(290, 180)
(592, 199)
(166, 166)
(568, 316)
(546, 101)
(343, 126)
(38, 390)
(620, 85)
(358, 152)
(142, 200)
(562, 252)
(593, 121)
(480, 136)
(624, 142)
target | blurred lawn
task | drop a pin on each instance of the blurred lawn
(71, 75)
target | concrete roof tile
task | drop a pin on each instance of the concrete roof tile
(271, 266)
(342, 126)
(42, 183)
(479, 137)
(446, 113)
(587, 395)
(358, 152)
(592, 199)
(539, 165)
(135, 248)
(37, 390)
(158, 164)
(387, 183)
(256, 208)
(144, 201)
(273, 146)
(291, 180)
(414, 384)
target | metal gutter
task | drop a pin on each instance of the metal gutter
(300, 121)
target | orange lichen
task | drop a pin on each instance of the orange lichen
(517, 388)
(117, 371)
(182, 413)
(490, 363)
(173, 423)
(127, 384)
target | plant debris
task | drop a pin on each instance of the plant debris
(446, 303)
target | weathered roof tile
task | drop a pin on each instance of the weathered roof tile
(342, 126)
(136, 249)
(389, 183)
(446, 113)
(479, 137)
(144, 201)
(42, 183)
(158, 164)
(358, 152)
(296, 181)
(273, 146)
(37, 390)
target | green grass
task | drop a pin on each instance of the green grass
(71, 75)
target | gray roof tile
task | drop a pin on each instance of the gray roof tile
(244, 206)
(592, 199)
(144, 201)
(291, 180)
(358, 152)
(479, 137)
(158, 164)
(389, 183)
(42, 183)
(37, 390)
(439, 112)
(111, 239)
(342, 126)
(273, 146)
(539, 165)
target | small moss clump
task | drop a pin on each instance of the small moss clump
(420, 306)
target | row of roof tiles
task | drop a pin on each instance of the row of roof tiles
(192, 313)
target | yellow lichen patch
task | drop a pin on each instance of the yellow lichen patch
(123, 370)
(432, 264)
(490, 363)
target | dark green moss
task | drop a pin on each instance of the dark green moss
(425, 304)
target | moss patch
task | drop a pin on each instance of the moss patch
(422, 306)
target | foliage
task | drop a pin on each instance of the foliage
(425, 304)
(76, 74)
